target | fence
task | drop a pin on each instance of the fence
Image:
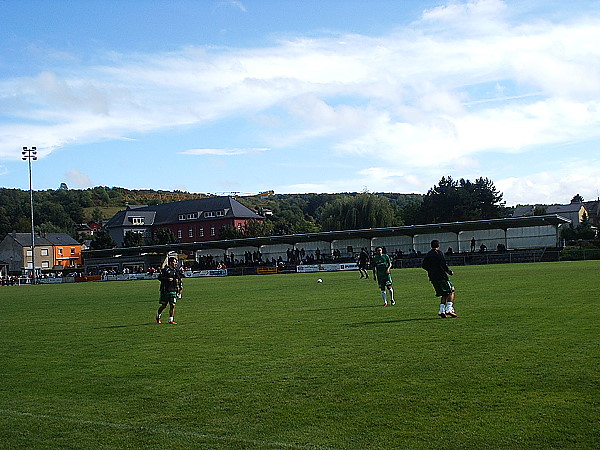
(472, 259)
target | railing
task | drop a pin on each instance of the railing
(468, 259)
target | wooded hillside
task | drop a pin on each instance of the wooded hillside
(64, 209)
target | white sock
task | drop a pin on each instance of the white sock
(384, 297)
(442, 307)
(158, 316)
(171, 319)
(449, 306)
(392, 294)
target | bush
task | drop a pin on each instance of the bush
(579, 254)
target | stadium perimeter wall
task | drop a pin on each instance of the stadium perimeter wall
(521, 238)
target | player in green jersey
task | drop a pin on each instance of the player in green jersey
(170, 289)
(382, 266)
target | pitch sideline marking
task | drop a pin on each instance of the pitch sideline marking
(122, 426)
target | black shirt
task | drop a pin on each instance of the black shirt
(435, 265)
(166, 285)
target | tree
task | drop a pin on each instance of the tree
(363, 211)
(97, 215)
(253, 228)
(48, 227)
(100, 196)
(85, 199)
(164, 236)
(452, 201)
(291, 219)
(102, 240)
(133, 239)
(577, 199)
(75, 212)
(441, 203)
(583, 231)
(484, 201)
(540, 210)
(56, 214)
(256, 228)
(411, 212)
(229, 232)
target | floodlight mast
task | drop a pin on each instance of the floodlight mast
(31, 154)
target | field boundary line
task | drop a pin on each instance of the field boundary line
(122, 426)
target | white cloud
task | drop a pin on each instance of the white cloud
(557, 186)
(223, 151)
(79, 179)
(232, 3)
(463, 81)
(471, 11)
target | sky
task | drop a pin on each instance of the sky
(311, 96)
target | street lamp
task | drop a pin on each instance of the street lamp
(31, 154)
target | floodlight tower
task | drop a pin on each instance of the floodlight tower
(31, 154)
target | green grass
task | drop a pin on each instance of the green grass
(280, 361)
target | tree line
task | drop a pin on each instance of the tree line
(64, 209)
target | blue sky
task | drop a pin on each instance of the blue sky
(217, 96)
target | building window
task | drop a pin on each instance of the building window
(45, 265)
(219, 213)
(179, 234)
(29, 253)
(201, 231)
(209, 214)
(192, 216)
(72, 250)
(60, 251)
(137, 220)
(191, 232)
(212, 230)
(44, 252)
(181, 216)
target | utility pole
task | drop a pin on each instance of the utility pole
(31, 154)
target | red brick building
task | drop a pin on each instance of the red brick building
(197, 220)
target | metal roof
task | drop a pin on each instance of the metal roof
(43, 239)
(330, 236)
(168, 213)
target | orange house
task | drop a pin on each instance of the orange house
(67, 256)
(66, 250)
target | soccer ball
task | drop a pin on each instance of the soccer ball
(319, 281)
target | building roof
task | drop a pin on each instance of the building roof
(168, 213)
(123, 218)
(51, 239)
(593, 208)
(523, 210)
(57, 239)
(565, 209)
(528, 210)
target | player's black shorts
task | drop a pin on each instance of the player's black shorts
(168, 298)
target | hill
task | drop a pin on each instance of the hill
(64, 209)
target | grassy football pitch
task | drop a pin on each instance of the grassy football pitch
(281, 361)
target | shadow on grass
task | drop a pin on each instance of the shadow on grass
(131, 325)
(379, 322)
(339, 308)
